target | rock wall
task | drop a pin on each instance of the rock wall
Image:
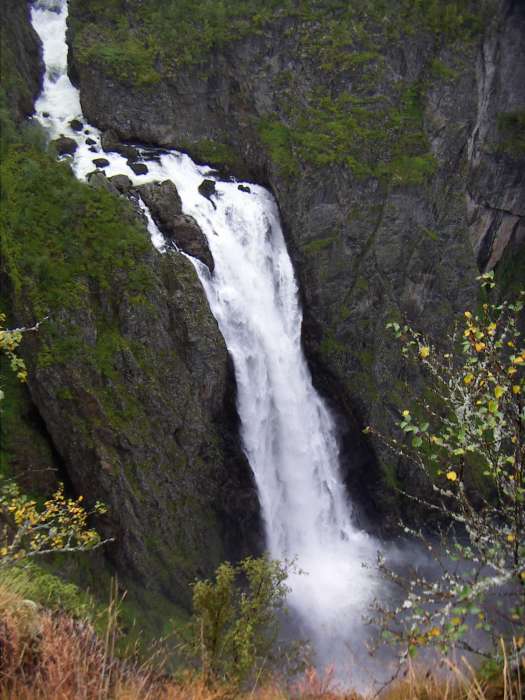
(20, 58)
(389, 212)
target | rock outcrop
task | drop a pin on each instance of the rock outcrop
(20, 58)
(132, 380)
(165, 206)
(392, 162)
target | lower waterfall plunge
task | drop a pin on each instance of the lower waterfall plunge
(287, 432)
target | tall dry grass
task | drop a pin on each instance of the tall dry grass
(50, 656)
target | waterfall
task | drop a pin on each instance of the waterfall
(287, 431)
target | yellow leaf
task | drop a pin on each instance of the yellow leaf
(511, 370)
(425, 351)
(499, 391)
(456, 621)
(452, 475)
(468, 314)
(435, 632)
(516, 389)
(468, 378)
(406, 413)
(510, 537)
(491, 328)
(480, 346)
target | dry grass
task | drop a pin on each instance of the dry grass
(50, 656)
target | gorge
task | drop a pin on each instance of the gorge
(398, 176)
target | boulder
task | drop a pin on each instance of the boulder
(76, 125)
(138, 168)
(188, 236)
(65, 146)
(121, 182)
(208, 189)
(99, 181)
(100, 162)
(110, 143)
(165, 207)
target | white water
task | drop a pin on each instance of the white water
(287, 431)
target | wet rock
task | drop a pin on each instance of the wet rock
(110, 143)
(22, 52)
(101, 162)
(162, 199)
(138, 168)
(121, 182)
(244, 188)
(188, 236)
(208, 189)
(99, 181)
(164, 203)
(76, 125)
(91, 142)
(65, 146)
(45, 115)
(93, 149)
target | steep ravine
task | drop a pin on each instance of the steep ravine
(388, 213)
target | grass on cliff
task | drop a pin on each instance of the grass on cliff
(141, 41)
(61, 239)
(371, 130)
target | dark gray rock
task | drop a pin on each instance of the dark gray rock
(90, 142)
(101, 162)
(111, 143)
(208, 189)
(121, 182)
(76, 125)
(164, 203)
(98, 180)
(138, 168)
(244, 188)
(22, 52)
(65, 146)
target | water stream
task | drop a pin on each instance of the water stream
(287, 431)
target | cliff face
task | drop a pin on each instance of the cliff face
(392, 138)
(20, 58)
(131, 390)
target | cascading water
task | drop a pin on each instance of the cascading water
(287, 431)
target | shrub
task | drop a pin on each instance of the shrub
(470, 447)
(234, 631)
